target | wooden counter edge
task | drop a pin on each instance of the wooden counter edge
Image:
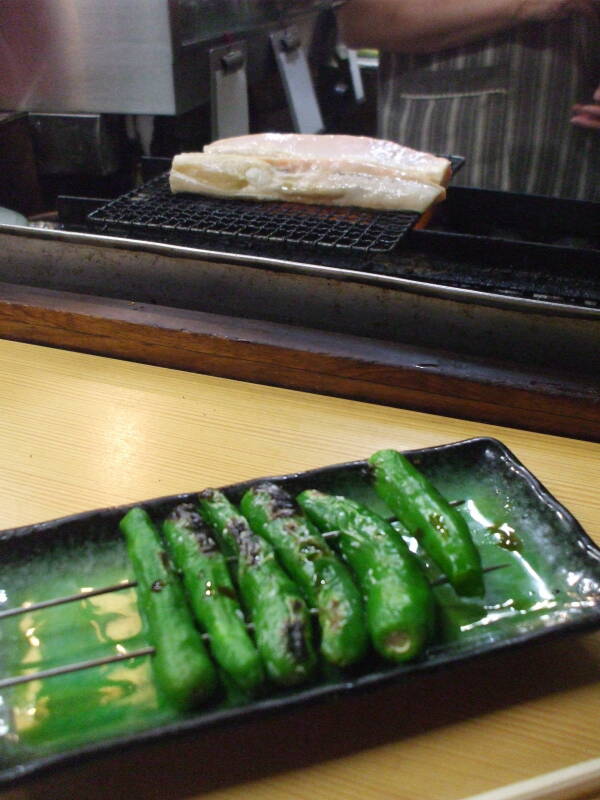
(308, 360)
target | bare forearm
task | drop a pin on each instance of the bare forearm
(423, 25)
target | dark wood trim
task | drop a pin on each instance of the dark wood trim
(309, 360)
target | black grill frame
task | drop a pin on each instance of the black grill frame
(153, 212)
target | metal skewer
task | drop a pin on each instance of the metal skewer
(443, 580)
(395, 519)
(117, 587)
(57, 601)
(70, 598)
(95, 662)
(144, 651)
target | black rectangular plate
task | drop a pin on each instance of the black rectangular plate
(550, 586)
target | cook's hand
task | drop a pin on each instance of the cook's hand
(588, 116)
(545, 10)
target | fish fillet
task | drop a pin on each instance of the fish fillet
(338, 181)
(362, 150)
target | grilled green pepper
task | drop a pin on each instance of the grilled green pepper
(323, 579)
(399, 600)
(211, 594)
(282, 624)
(438, 526)
(181, 664)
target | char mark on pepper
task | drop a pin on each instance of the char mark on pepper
(246, 539)
(185, 514)
(295, 639)
(281, 504)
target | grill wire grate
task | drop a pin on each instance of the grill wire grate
(152, 212)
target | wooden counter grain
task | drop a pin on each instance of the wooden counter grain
(292, 357)
(79, 432)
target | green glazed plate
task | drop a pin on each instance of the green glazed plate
(549, 584)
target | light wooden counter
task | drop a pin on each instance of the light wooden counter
(79, 432)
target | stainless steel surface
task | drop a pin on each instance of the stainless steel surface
(74, 144)
(229, 91)
(356, 76)
(310, 295)
(297, 81)
(84, 56)
(126, 56)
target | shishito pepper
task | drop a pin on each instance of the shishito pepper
(181, 664)
(212, 595)
(323, 579)
(441, 530)
(282, 624)
(399, 600)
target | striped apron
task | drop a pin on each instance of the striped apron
(505, 105)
